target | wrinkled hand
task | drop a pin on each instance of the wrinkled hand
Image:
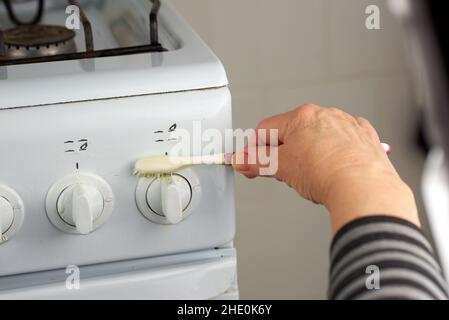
(333, 159)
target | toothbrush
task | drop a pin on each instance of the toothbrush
(160, 165)
(168, 164)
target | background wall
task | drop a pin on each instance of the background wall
(283, 53)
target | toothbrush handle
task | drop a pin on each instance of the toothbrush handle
(209, 159)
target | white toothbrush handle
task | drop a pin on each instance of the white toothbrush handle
(207, 159)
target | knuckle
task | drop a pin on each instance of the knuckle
(337, 111)
(361, 119)
(307, 110)
(363, 122)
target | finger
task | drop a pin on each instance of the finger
(240, 161)
(273, 130)
(257, 161)
(368, 127)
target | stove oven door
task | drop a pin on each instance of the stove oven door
(203, 275)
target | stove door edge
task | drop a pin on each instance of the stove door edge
(193, 278)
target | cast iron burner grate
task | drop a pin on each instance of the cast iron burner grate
(30, 42)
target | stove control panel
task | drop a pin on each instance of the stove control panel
(11, 213)
(79, 203)
(73, 169)
(168, 199)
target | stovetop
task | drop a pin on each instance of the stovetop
(32, 37)
(126, 55)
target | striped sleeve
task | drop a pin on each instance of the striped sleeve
(384, 258)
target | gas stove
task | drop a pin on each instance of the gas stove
(29, 39)
(78, 107)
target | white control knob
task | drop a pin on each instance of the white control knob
(11, 213)
(168, 199)
(6, 217)
(175, 197)
(169, 196)
(80, 205)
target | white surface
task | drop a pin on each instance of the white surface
(119, 132)
(191, 65)
(10, 199)
(74, 210)
(435, 190)
(203, 275)
(81, 205)
(175, 195)
(153, 203)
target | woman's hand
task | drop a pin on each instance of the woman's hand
(334, 159)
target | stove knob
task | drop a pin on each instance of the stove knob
(11, 213)
(6, 217)
(169, 196)
(168, 199)
(79, 204)
(175, 196)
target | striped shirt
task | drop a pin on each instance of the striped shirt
(384, 258)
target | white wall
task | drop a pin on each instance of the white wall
(282, 53)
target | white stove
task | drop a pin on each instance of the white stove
(77, 109)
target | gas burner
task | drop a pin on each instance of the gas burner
(38, 41)
(31, 42)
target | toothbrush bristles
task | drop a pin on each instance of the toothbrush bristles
(148, 175)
